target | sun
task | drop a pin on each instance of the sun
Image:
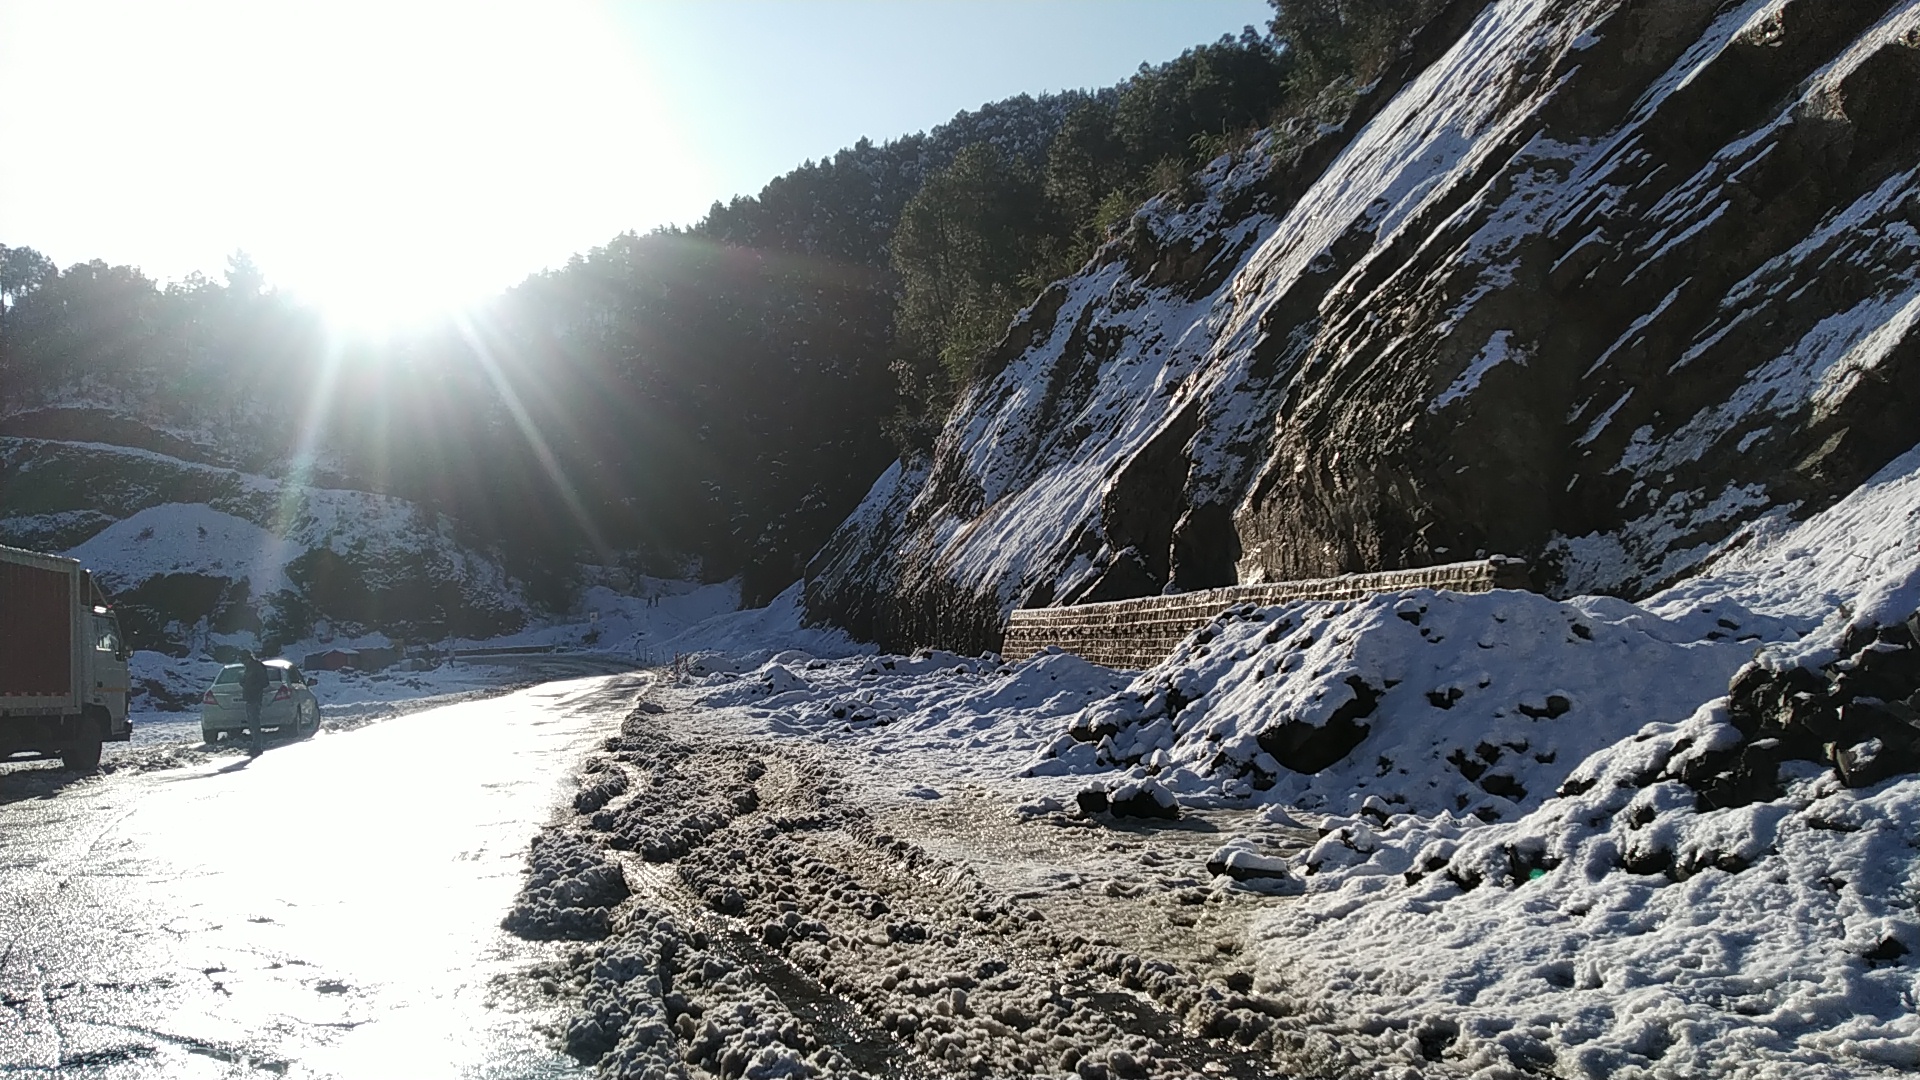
(464, 148)
(383, 162)
(395, 284)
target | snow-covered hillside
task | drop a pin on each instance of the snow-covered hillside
(1550, 841)
(1588, 282)
(191, 551)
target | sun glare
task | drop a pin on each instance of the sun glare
(385, 162)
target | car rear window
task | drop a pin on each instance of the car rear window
(275, 674)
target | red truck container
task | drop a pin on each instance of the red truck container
(63, 667)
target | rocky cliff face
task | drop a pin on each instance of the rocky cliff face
(1596, 283)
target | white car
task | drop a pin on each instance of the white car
(287, 706)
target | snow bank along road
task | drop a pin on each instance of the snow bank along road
(762, 907)
(330, 909)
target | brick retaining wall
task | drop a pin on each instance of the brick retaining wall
(1140, 633)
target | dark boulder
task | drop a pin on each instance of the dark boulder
(1859, 713)
(1308, 748)
(1146, 798)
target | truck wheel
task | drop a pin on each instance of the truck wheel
(82, 758)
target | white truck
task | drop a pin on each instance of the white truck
(63, 664)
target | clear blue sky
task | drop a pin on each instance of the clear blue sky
(382, 158)
(805, 79)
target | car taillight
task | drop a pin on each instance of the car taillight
(208, 699)
(283, 694)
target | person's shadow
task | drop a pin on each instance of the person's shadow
(233, 766)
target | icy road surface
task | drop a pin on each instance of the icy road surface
(330, 909)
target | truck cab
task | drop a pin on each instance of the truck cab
(112, 682)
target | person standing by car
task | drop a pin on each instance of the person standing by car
(253, 691)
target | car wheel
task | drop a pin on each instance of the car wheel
(210, 736)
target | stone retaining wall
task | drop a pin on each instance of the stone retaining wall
(1140, 633)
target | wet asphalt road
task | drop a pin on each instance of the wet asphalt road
(330, 909)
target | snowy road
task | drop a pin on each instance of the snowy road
(330, 909)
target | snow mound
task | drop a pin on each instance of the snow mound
(1424, 701)
(1628, 929)
(169, 684)
(1638, 923)
(728, 641)
(981, 715)
(1850, 567)
(188, 538)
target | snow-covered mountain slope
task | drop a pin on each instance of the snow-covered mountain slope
(1540, 837)
(189, 549)
(1583, 838)
(1593, 282)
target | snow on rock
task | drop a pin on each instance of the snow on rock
(1015, 506)
(1421, 702)
(1619, 930)
(1725, 894)
(1243, 864)
(329, 552)
(1137, 796)
(183, 545)
(1673, 308)
(1584, 283)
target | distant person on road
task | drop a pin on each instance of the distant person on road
(253, 691)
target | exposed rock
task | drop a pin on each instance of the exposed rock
(1242, 864)
(1859, 713)
(1585, 282)
(1308, 748)
(1093, 801)
(1146, 798)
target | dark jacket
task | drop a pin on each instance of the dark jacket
(253, 681)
